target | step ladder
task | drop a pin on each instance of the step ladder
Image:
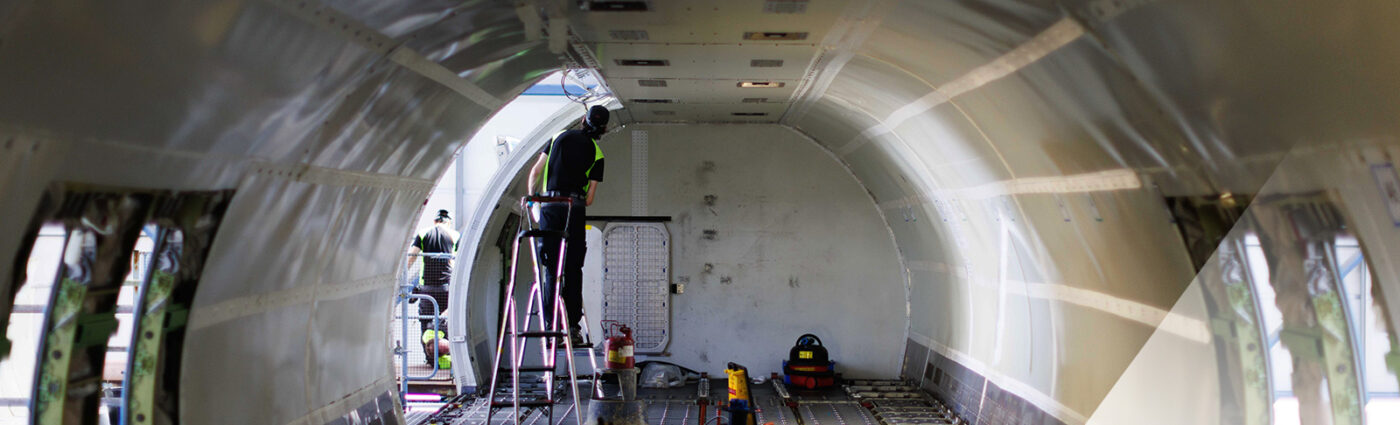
(540, 392)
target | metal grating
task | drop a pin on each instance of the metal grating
(636, 282)
(838, 413)
(663, 113)
(755, 100)
(629, 35)
(750, 114)
(672, 412)
(651, 83)
(772, 410)
(653, 101)
(766, 63)
(639, 172)
(785, 6)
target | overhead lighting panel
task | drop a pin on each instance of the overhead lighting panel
(760, 84)
(774, 36)
(617, 6)
(642, 62)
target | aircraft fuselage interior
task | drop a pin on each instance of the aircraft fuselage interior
(805, 212)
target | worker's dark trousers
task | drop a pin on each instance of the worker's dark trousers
(552, 217)
(425, 308)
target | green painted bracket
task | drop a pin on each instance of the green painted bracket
(95, 329)
(176, 316)
(1306, 343)
(1223, 328)
(5, 345)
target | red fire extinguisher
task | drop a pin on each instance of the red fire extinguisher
(619, 347)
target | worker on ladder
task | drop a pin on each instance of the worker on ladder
(570, 165)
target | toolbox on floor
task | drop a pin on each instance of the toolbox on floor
(808, 365)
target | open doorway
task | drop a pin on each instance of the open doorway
(426, 383)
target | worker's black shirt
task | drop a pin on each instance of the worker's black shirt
(573, 160)
(436, 240)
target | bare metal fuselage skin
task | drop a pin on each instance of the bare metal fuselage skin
(1044, 211)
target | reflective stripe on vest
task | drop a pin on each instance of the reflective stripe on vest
(597, 155)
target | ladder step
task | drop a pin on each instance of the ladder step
(523, 403)
(541, 233)
(541, 334)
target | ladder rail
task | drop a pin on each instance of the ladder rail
(550, 316)
(507, 318)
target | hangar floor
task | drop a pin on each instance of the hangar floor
(857, 402)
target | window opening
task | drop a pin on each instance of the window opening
(26, 321)
(176, 247)
(1380, 397)
(101, 229)
(114, 365)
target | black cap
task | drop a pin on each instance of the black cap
(597, 118)
(442, 215)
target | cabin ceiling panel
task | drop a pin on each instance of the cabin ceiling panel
(705, 61)
(680, 112)
(714, 21)
(703, 91)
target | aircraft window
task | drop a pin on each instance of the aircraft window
(1382, 390)
(1368, 326)
(26, 322)
(115, 363)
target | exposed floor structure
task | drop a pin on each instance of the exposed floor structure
(859, 402)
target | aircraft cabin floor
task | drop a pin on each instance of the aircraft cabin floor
(856, 402)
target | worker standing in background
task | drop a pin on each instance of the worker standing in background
(570, 165)
(437, 269)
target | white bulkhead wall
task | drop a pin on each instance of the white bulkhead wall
(772, 238)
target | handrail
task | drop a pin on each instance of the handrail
(404, 318)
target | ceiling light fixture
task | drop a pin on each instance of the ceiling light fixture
(760, 84)
(642, 62)
(775, 35)
(617, 6)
